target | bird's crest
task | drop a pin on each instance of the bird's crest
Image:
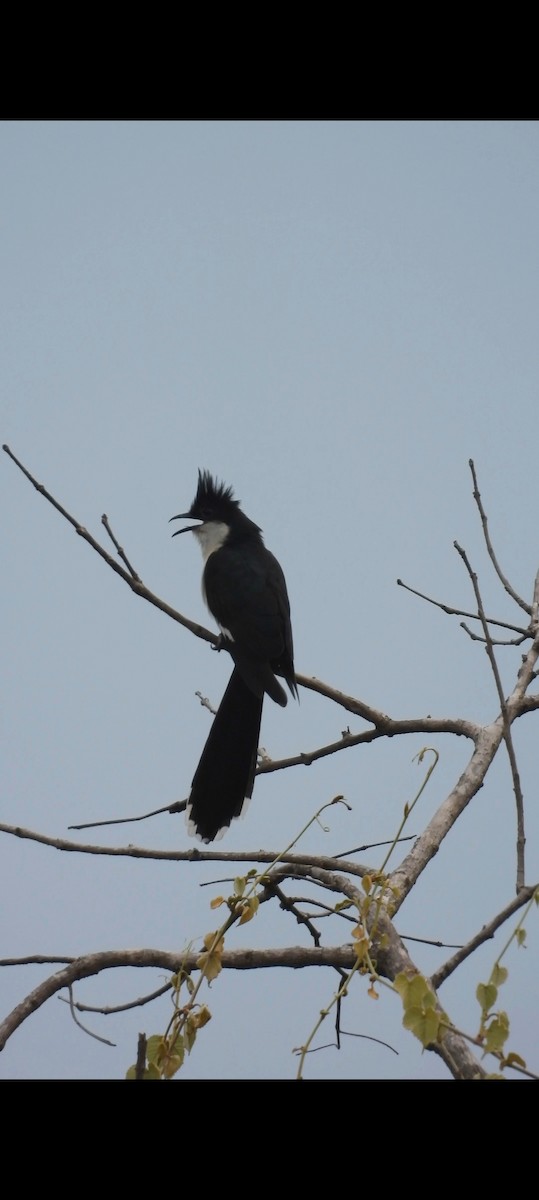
(211, 494)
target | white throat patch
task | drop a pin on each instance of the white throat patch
(211, 536)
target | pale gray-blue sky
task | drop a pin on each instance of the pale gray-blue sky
(333, 317)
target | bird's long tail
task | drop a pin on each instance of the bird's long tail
(224, 778)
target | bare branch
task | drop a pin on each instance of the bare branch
(391, 728)
(471, 780)
(425, 725)
(382, 723)
(141, 1056)
(389, 953)
(239, 960)
(485, 934)
(133, 581)
(36, 959)
(428, 843)
(194, 855)
(392, 958)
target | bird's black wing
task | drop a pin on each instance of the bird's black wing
(247, 596)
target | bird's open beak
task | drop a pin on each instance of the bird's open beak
(183, 517)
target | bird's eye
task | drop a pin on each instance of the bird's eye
(205, 513)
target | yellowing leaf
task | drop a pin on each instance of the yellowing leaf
(514, 1060)
(423, 1023)
(202, 1016)
(249, 910)
(148, 1073)
(210, 959)
(209, 939)
(497, 1033)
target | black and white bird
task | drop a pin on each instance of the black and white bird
(245, 590)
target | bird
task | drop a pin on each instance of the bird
(244, 588)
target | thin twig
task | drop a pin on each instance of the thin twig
(503, 580)
(178, 806)
(206, 703)
(272, 889)
(121, 552)
(111, 1010)
(477, 637)
(535, 601)
(375, 846)
(84, 1028)
(519, 799)
(461, 612)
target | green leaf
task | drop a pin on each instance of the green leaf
(173, 1058)
(499, 975)
(487, 995)
(154, 1048)
(148, 1073)
(419, 1003)
(414, 991)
